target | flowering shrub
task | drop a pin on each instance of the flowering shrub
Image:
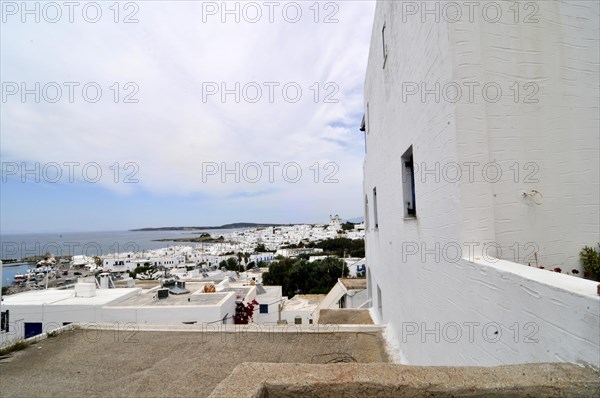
(244, 313)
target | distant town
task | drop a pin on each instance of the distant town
(290, 273)
(247, 246)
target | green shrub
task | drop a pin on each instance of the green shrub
(590, 258)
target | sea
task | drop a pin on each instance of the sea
(19, 246)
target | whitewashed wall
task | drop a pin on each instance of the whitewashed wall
(54, 315)
(558, 134)
(555, 142)
(169, 315)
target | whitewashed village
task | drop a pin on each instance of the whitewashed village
(201, 284)
(469, 284)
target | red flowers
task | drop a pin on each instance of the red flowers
(244, 313)
(557, 269)
(574, 271)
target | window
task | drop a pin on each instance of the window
(379, 303)
(32, 329)
(264, 308)
(408, 184)
(4, 321)
(385, 52)
(375, 218)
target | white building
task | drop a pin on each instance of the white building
(32, 313)
(298, 251)
(335, 223)
(302, 309)
(347, 293)
(36, 312)
(457, 177)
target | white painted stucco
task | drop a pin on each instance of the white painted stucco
(418, 264)
(55, 307)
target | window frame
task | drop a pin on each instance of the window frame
(385, 48)
(375, 212)
(409, 199)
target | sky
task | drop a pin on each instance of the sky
(180, 113)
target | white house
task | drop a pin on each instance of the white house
(35, 312)
(482, 157)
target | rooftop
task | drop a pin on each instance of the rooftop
(67, 297)
(304, 301)
(354, 283)
(166, 364)
(239, 291)
(345, 316)
(195, 297)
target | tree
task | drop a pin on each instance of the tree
(97, 261)
(232, 264)
(298, 275)
(348, 226)
(343, 247)
(143, 269)
(239, 258)
(246, 258)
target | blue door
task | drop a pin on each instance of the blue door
(32, 329)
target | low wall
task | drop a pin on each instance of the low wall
(478, 313)
(291, 380)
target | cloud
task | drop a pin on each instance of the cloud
(169, 58)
